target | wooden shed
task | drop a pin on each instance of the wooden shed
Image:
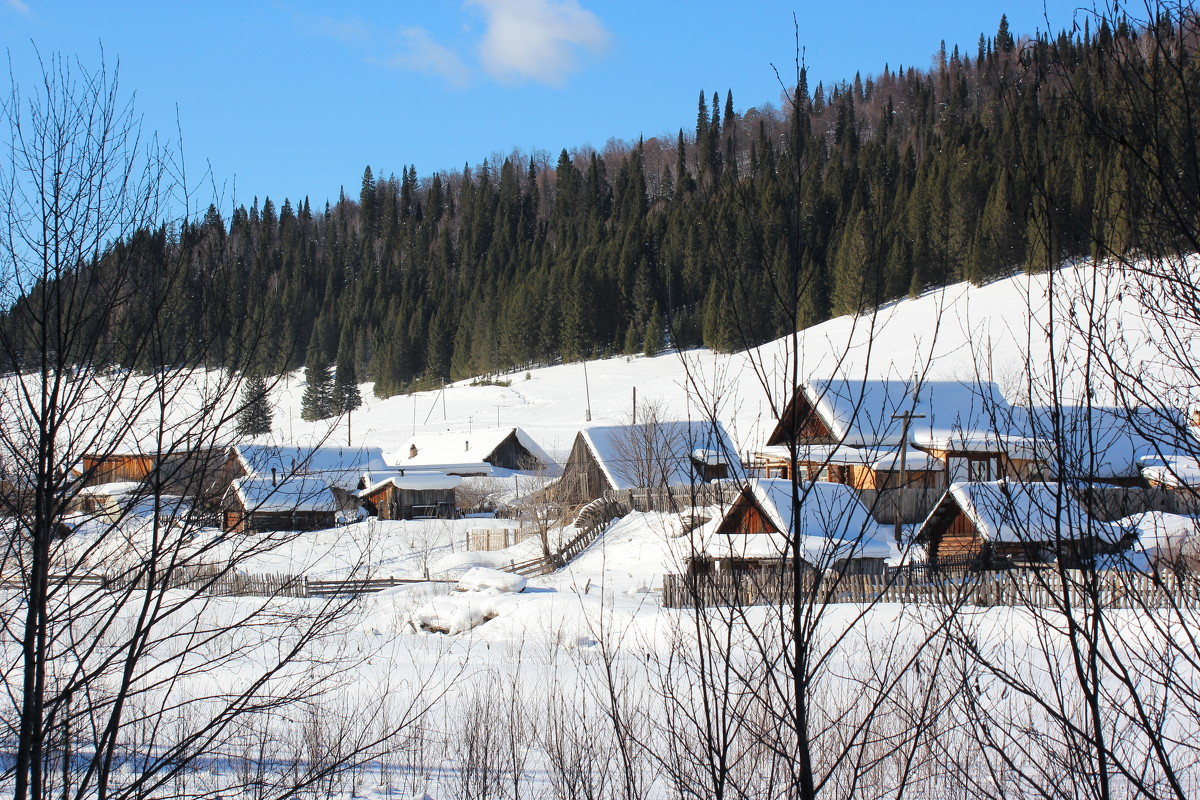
(480, 452)
(648, 455)
(1003, 523)
(412, 495)
(260, 504)
(97, 469)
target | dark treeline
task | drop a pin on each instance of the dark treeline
(985, 163)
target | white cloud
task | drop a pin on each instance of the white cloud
(21, 8)
(537, 40)
(420, 53)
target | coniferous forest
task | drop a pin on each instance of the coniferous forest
(989, 161)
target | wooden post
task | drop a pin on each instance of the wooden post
(906, 419)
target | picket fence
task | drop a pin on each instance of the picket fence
(229, 584)
(1050, 589)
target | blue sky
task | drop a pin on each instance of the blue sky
(294, 98)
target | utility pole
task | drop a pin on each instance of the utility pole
(587, 393)
(635, 405)
(906, 419)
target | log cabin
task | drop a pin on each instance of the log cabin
(829, 527)
(412, 495)
(481, 452)
(1005, 523)
(260, 504)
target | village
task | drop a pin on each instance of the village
(888, 477)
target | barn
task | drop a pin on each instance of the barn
(648, 455)
(301, 503)
(480, 452)
(831, 528)
(1012, 523)
(100, 469)
(412, 495)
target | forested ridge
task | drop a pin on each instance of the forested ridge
(987, 162)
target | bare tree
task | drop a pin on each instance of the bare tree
(114, 630)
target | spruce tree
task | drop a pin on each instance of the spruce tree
(318, 394)
(254, 418)
(346, 397)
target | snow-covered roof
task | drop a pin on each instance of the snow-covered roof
(831, 524)
(463, 451)
(1025, 511)
(1175, 470)
(414, 480)
(1161, 534)
(659, 453)
(114, 489)
(882, 459)
(337, 466)
(1095, 442)
(304, 493)
(860, 412)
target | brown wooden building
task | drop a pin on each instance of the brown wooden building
(412, 495)
(649, 455)
(1004, 523)
(260, 504)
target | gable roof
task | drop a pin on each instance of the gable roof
(452, 451)
(302, 494)
(859, 413)
(830, 524)
(1022, 511)
(337, 466)
(659, 453)
(415, 480)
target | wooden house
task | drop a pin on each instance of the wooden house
(412, 495)
(648, 455)
(831, 529)
(850, 431)
(262, 504)
(862, 468)
(97, 469)
(345, 470)
(481, 452)
(1001, 523)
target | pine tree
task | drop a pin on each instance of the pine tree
(654, 333)
(254, 418)
(346, 397)
(318, 393)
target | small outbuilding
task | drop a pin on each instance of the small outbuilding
(412, 495)
(302, 503)
(481, 452)
(648, 455)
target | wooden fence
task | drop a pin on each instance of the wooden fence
(232, 584)
(1016, 588)
(485, 540)
(591, 520)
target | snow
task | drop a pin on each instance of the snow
(1027, 511)
(481, 578)
(413, 480)
(304, 493)
(658, 453)
(1174, 470)
(337, 466)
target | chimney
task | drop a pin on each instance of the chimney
(272, 476)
